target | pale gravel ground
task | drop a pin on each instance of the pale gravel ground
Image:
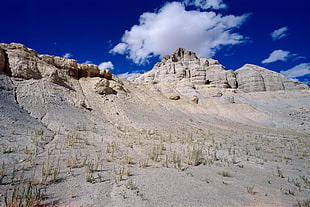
(254, 138)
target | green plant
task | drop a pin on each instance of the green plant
(287, 191)
(224, 173)
(177, 161)
(112, 148)
(13, 174)
(155, 153)
(144, 162)
(303, 203)
(39, 132)
(250, 190)
(6, 149)
(131, 185)
(120, 172)
(2, 173)
(128, 160)
(165, 162)
(89, 177)
(195, 156)
(305, 180)
(100, 177)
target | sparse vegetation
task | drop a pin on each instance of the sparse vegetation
(195, 156)
(303, 203)
(224, 173)
(24, 195)
(250, 190)
(131, 185)
(50, 171)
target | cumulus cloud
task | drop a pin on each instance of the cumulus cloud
(277, 55)
(162, 32)
(279, 33)
(206, 4)
(127, 74)
(297, 71)
(67, 55)
(106, 65)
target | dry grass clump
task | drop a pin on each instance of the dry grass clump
(303, 203)
(24, 195)
(224, 173)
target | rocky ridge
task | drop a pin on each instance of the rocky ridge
(21, 62)
(184, 68)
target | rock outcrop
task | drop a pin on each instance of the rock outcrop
(68, 66)
(184, 69)
(106, 73)
(25, 63)
(185, 66)
(252, 78)
(102, 87)
(88, 70)
(2, 59)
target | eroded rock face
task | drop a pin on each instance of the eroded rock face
(88, 70)
(106, 73)
(2, 59)
(25, 63)
(252, 78)
(102, 87)
(185, 66)
(184, 70)
(69, 66)
(21, 62)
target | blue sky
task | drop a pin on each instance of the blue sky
(133, 35)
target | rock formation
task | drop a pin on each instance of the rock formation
(252, 78)
(2, 59)
(184, 68)
(102, 87)
(76, 133)
(21, 62)
(51, 83)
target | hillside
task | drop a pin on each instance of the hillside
(187, 133)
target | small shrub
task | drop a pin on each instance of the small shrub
(224, 173)
(250, 190)
(131, 185)
(195, 156)
(303, 203)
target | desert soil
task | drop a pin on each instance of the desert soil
(138, 148)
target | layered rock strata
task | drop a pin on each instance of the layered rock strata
(184, 68)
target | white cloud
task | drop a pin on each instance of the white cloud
(206, 4)
(279, 33)
(162, 32)
(297, 71)
(295, 79)
(277, 55)
(106, 65)
(67, 55)
(127, 74)
(88, 62)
